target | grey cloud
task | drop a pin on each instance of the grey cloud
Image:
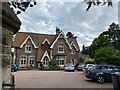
(69, 16)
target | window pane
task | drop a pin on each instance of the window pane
(32, 60)
(45, 61)
(61, 61)
(61, 48)
(23, 60)
(28, 48)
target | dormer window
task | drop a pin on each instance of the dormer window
(60, 48)
(28, 48)
(72, 50)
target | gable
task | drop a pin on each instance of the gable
(29, 37)
(72, 44)
(61, 35)
(46, 40)
(45, 55)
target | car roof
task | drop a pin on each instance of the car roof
(107, 65)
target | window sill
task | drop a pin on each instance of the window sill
(28, 52)
(60, 52)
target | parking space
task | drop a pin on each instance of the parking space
(55, 79)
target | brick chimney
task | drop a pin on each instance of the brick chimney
(57, 30)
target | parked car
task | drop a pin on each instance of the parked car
(101, 73)
(69, 67)
(14, 67)
(86, 67)
(80, 67)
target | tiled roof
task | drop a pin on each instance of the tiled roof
(74, 41)
(38, 40)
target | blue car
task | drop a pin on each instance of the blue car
(101, 73)
(14, 67)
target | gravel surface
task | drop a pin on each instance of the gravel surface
(55, 79)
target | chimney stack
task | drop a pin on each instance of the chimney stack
(57, 30)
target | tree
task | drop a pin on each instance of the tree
(107, 55)
(97, 3)
(69, 35)
(106, 38)
(22, 5)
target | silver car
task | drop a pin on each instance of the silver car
(69, 67)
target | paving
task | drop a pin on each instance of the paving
(55, 79)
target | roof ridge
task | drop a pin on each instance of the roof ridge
(37, 33)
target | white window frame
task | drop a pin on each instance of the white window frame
(60, 61)
(28, 48)
(60, 45)
(45, 61)
(74, 61)
(33, 59)
(25, 60)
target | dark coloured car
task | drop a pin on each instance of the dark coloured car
(101, 73)
(87, 66)
(14, 67)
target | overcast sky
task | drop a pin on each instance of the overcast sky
(69, 16)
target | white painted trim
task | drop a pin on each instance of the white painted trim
(58, 38)
(21, 59)
(29, 37)
(29, 61)
(45, 41)
(63, 48)
(45, 54)
(26, 48)
(72, 43)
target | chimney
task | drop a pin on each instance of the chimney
(57, 30)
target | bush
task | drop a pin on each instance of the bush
(107, 55)
(53, 64)
(89, 61)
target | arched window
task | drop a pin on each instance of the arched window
(45, 61)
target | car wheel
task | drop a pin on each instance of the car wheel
(100, 79)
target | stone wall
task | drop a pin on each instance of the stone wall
(10, 26)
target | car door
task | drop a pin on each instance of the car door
(107, 72)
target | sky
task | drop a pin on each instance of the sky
(69, 16)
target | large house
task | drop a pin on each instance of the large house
(32, 49)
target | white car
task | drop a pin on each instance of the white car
(69, 67)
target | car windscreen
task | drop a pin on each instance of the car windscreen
(116, 68)
(91, 67)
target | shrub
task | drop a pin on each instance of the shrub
(89, 61)
(53, 64)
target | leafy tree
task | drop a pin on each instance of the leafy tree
(107, 55)
(69, 35)
(91, 3)
(22, 5)
(106, 38)
(86, 50)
